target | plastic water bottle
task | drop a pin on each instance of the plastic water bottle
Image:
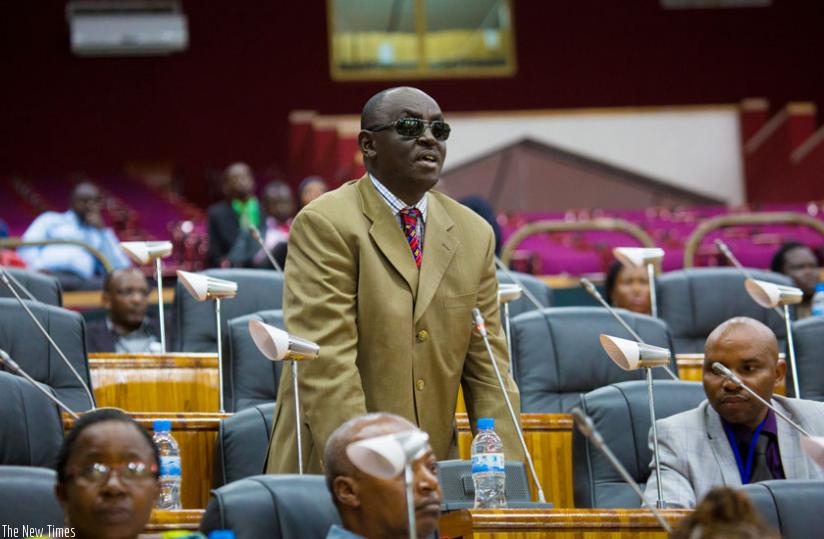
(169, 466)
(488, 470)
(818, 300)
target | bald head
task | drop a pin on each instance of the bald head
(374, 111)
(743, 328)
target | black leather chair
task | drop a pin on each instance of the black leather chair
(27, 499)
(537, 287)
(45, 288)
(272, 506)
(250, 379)
(620, 413)
(792, 506)
(195, 326)
(808, 335)
(695, 301)
(22, 340)
(556, 354)
(31, 429)
(242, 442)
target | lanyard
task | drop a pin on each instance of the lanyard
(744, 470)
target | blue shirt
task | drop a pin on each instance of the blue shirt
(70, 258)
(336, 532)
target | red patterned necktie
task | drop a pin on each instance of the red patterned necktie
(409, 223)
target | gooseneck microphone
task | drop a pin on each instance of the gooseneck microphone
(11, 364)
(593, 291)
(732, 377)
(517, 280)
(480, 327)
(727, 252)
(587, 428)
(19, 285)
(5, 279)
(255, 233)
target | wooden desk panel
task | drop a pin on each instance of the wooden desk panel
(186, 519)
(549, 439)
(196, 434)
(557, 523)
(155, 382)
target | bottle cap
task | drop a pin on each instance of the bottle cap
(486, 423)
(222, 534)
(819, 287)
(162, 425)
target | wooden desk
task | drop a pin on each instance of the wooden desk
(196, 434)
(186, 519)
(549, 439)
(173, 382)
(557, 523)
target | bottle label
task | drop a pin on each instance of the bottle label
(170, 466)
(488, 462)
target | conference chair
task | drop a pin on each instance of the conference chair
(620, 413)
(45, 288)
(242, 441)
(27, 499)
(695, 301)
(538, 288)
(556, 354)
(21, 339)
(31, 429)
(272, 506)
(808, 335)
(250, 378)
(195, 325)
(792, 506)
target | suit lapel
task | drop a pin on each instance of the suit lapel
(724, 457)
(439, 246)
(387, 234)
(794, 464)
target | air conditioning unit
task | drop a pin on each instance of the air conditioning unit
(127, 28)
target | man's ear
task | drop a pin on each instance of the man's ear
(780, 371)
(366, 144)
(345, 490)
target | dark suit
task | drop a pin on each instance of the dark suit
(224, 235)
(99, 338)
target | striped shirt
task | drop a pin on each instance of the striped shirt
(396, 205)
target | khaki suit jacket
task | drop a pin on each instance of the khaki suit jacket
(392, 338)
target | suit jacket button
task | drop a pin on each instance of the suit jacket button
(420, 384)
(422, 336)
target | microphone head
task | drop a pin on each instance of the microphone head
(203, 287)
(632, 355)
(770, 295)
(478, 321)
(143, 252)
(588, 286)
(721, 370)
(638, 256)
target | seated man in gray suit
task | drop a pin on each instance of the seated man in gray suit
(732, 439)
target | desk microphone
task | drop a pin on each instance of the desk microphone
(5, 359)
(732, 377)
(480, 328)
(587, 428)
(590, 288)
(255, 233)
(5, 279)
(517, 280)
(727, 252)
(19, 285)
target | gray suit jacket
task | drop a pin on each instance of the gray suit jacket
(696, 456)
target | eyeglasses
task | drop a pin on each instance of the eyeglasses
(130, 472)
(414, 127)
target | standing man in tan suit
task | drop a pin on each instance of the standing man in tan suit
(383, 274)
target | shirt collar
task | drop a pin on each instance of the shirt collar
(397, 204)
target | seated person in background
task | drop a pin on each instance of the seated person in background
(279, 205)
(372, 507)
(309, 189)
(801, 264)
(628, 288)
(724, 513)
(482, 207)
(75, 267)
(230, 244)
(731, 438)
(126, 329)
(107, 476)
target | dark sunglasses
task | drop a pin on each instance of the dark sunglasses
(414, 127)
(129, 472)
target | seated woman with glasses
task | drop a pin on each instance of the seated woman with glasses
(107, 476)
